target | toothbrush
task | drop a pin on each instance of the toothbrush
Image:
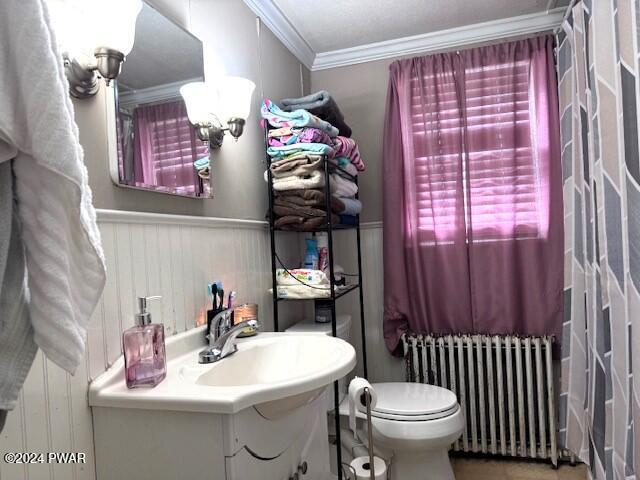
(232, 297)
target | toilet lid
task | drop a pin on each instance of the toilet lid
(413, 401)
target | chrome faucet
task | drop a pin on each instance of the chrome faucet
(220, 324)
(223, 343)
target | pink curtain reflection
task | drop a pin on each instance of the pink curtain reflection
(472, 193)
(166, 147)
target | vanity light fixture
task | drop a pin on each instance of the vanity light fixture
(110, 36)
(210, 104)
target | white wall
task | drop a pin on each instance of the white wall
(382, 366)
(146, 254)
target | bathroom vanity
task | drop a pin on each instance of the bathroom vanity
(258, 414)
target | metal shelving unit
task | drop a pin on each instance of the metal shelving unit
(336, 292)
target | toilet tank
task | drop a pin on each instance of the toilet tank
(343, 331)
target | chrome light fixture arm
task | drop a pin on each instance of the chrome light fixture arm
(214, 134)
(82, 74)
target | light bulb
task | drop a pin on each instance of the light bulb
(201, 101)
(73, 24)
(235, 95)
(114, 23)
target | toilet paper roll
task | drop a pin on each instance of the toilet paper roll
(357, 400)
(362, 468)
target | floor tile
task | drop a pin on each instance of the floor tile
(567, 472)
(504, 469)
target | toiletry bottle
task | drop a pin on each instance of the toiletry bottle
(311, 256)
(323, 253)
(145, 362)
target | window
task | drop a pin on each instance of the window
(476, 172)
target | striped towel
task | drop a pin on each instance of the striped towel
(347, 147)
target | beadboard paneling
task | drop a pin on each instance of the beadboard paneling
(147, 254)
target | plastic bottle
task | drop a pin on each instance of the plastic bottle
(323, 252)
(311, 256)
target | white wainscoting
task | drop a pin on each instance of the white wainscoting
(382, 366)
(147, 254)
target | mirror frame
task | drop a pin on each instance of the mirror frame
(111, 101)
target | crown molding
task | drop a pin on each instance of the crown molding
(273, 18)
(443, 39)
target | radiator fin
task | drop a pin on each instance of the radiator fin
(504, 385)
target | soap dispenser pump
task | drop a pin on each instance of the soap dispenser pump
(145, 362)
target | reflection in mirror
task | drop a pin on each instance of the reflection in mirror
(157, 148)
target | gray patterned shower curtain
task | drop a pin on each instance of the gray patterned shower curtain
(598, 75)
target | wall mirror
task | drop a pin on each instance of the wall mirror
(156, 147)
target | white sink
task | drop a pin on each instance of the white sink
(276, 372)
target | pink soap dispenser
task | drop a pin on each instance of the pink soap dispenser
(145, 363)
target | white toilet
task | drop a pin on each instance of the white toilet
(414, 424)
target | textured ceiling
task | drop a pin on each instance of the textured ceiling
(162, 53)
(331, 25)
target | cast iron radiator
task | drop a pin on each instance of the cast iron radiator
(504, 385)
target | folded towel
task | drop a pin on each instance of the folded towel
(347, 147)
(313, 180)
(298, 211)
(201, 163)
(297, 275)
(303, 224)
(295, 118)
(308, 194)
(341, 187)
(344, 164)
(64, 258)
(291, 198)
(321, 104)
(289, 136)
(17, 347)
(285, 150)
(300, 165)
(279, 132)
(351, 206)
(202, 168)
(298, 206)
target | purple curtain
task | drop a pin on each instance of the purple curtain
(473, 235)
(166, 147)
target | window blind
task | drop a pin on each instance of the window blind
(174, 146)
(475, 170)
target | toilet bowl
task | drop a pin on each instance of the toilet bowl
(415, 424)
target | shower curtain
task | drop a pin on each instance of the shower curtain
(598, 88)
